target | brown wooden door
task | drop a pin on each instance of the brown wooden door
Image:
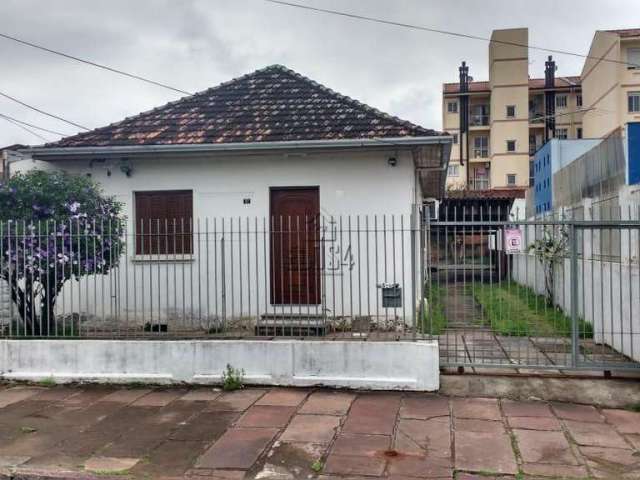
(295, 241)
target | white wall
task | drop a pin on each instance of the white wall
(361, 187)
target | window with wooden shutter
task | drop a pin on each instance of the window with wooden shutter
(164, 222)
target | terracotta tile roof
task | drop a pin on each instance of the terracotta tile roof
(533, 83)
(496, 193)
(271, 104)
(626, 32)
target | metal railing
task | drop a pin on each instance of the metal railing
(349, 276)
(534, 294)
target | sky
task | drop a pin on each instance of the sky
(195, 44)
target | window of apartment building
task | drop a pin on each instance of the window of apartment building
(561, 101)
(164, 222)
(511, 145)
(452, 107)
(579, 132)
(562, 133)
(634, 102)
(511, 111)
(454, 171)
(455, 138)
(511, 179)
(633, 57)
(578, 100)
(481, 147)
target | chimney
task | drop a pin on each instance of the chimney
(549, 99)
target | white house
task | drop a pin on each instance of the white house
(268, 195)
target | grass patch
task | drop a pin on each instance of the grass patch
(511, 309)
(433, 318)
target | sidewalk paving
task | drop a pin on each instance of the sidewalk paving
(202, 433)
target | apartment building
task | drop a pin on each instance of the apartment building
(498, 124)
(611, 82)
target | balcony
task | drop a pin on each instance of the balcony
(480, 153)
(478, 120)
(479, 184)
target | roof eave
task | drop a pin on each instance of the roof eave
(51, 153)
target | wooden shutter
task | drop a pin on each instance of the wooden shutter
(164, 222)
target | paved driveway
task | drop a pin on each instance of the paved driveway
(103, 432)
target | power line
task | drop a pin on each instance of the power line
(445, 32)
(42, 111)
(44, 139)
(94, 64)
(4, 115)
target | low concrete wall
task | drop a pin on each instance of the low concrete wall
(349, 364)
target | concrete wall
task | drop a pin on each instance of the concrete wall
(350, 364)
(362, 187)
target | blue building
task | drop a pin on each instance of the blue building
(551, 157)
(633, 153)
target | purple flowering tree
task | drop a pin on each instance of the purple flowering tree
(55, 227)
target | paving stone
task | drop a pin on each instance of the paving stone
(238, 448)
(623, 420)
(214, 474)
(328, 403)
(526, 409)
(158, 398)
(418, 466)
(634, 439)
(201, 395)
(266, 416)
(126, 395)
(55, 394)
(361, 445)
(353, 465)
(311, 428)
(16, 394)
(478, 426)
(424, 407)
(236, 401)
(208, 426)
(555, 471)
(288, 461)
(612, 463)
(139, 440)
(424, 437)
(534, 423)
(544, 447)
(85, 398)
(580, 413)
(473, 476)
(12, 461)
(286, 397)
(110, 464)
(479, 408)
(472, 454)
(373, 414)
(595, 434)
(170, 458)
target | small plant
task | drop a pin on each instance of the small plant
(47, 382)
(550, 250)
(232, 378)
(317, 466)
(634, 407)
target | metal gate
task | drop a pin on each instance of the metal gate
(550, 293)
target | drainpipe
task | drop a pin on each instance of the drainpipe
(549, 99)
(463, 71)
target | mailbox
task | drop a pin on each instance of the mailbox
(391, 295)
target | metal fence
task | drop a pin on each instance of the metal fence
(324, 276)
(546, 293)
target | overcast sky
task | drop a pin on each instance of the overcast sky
(195, 44)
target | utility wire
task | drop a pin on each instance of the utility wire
(42, 111)
(444, 32)
(5, 116)
(93, 64)
(24, 128)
